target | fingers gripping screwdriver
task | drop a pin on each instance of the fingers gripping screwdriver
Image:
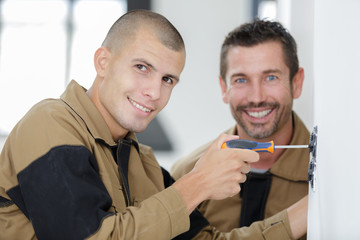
(257, 146)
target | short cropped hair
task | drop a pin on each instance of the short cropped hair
(127, 26)
(257, 32)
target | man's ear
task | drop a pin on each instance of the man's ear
(101, 58)
(297, 83)
(223, 89)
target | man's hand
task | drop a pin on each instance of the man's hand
(297, 214)
(217, 174)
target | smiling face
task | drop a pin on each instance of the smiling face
(134, 83)
(258, 89)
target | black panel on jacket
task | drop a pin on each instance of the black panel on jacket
(62, 191)
(197, 220)
(254, 193)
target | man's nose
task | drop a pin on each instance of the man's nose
(257, 93)
(152, 88)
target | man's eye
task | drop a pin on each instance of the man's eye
(271, 78)
(168, 80)
(240, 80)
(141, 67)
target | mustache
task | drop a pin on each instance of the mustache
(258, 105)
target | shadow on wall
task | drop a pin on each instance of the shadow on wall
(2, 140)
(156, 137)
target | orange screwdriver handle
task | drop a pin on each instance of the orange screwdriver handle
(247, 144)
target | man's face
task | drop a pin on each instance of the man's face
(258, 89)
(137, 82)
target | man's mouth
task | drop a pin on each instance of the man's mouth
(260, 114)
(138, 106)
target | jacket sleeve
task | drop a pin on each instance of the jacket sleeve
(197, 220)
(62, 195)
(274, 228)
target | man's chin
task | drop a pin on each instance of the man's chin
(258, 132)
(259, 135)
(138, 128)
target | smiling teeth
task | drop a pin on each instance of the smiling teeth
(259, 114)
(144, 109)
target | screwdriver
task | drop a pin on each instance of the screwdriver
(257, 146)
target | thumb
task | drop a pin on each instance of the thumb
(222, 139)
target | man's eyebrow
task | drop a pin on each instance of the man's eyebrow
(272, 71)
(153, 68)
(145, 62)
(240, 74)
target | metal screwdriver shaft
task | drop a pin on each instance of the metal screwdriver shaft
(291, 146)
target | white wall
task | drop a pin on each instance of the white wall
(334, 205)
(301, 27)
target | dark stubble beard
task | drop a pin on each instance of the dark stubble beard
(256, 130)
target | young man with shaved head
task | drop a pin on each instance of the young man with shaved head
(72, 167)
(259, 78)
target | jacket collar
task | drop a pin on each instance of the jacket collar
(76, 98)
